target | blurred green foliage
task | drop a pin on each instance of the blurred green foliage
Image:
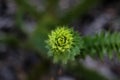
(48, 20)
(102, 44)
(82, 73)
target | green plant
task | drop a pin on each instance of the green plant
(64, 44)
(102, 44)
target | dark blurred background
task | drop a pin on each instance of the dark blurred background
(25, 24)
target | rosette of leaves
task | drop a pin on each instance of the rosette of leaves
(63, 44)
